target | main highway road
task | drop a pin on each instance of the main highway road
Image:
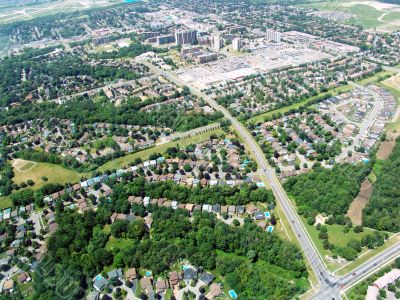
(329, 285)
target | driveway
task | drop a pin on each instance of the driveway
(194, 290)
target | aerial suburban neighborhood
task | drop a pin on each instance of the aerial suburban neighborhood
(180, 149)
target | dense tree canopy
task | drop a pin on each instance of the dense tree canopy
(328, 190)
(383, 209)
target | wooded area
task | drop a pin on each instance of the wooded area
(383, 209)
(328, 190)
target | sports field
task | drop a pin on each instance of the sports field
(25, 170)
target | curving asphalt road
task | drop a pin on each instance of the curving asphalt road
(330, 286)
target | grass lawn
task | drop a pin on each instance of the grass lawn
(5, 202)
(375, 78)
(168, 294)
(35, 171)
(336, 237)
(393, 85)
(335, 91)
(125, 160)
(368, 255)
(118, 244)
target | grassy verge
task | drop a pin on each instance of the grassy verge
(282, 110)
(145, 154)
(368, 255)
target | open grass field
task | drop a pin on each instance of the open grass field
(336, 237)
(5, 202)
(369, 14)
(374, 79)
(333, 92)
(124, 161)
(393, 84)
(25, 170)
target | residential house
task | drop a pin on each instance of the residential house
(207, 278)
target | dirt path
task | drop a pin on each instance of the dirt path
(380, 18)
(19, 164)
(356, 207)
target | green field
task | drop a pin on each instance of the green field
(35, 171)
(333, 92)
(368, 16)
(376, 78)
(336, 237)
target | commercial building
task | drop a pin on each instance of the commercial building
(218, 42)
(101, 40)
(273, 35)
(204, 40)
(185, 37)
(236, 44)
(207, 57)
(165, 39)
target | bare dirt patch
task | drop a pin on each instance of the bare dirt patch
(356, 207)
(23, 165)
(385, 149)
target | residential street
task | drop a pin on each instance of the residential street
(329, 285)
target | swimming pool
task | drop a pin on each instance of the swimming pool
(267, 215)
(270, 228)
(98, 277)
(232, 294)
(148, 273)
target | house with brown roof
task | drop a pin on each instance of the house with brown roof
(189, 207)
(148, 221)
(262, 225)
(23, 277)
(231, 209)
(251, 208)
(131, 274)
(146, 284)
(174, 278)
(215, 291)
(161, 286)
(8, 285)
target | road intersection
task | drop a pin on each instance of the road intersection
(330, 286)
